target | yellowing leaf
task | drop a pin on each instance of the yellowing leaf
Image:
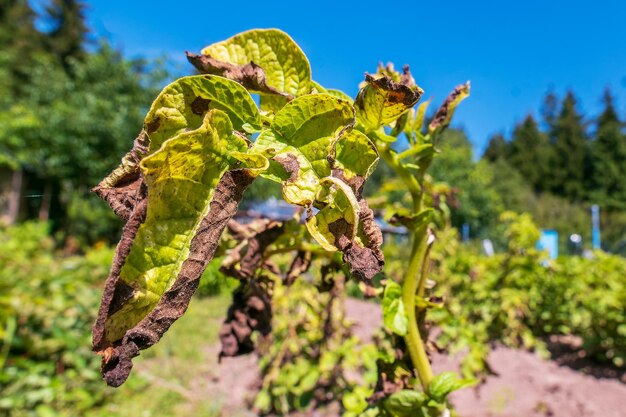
(285, 66)
(383, 100)
(194, 183)
(180, 107)
(299, 142)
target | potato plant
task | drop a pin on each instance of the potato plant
(205, 140)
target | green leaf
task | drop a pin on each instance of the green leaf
(299, 141)
(444, 114)
(356, 155)
(356, 400)
(394, 314)
(263, 401)
(445, 383)
(405, 403)
(418, 152)
(383, 100)
(182, 105)
(420, 115)
(285, 66)
(415, 221)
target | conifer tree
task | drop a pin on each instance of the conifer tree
(496, 149)
(549, 110)
(68, 30)
(529, 153)
(19, 43)
(570, 162)
(608, 154)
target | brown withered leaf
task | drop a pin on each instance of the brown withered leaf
(117, 358)
(249, 75)
(244, 259)
(444, 114)
(250, 311)
(124, 187)
(299, 266)
(367, 259)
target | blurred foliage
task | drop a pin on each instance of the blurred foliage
(215, 282)
(47, 307)
(558, 170)
(476, 202)
(68, 113)
(519, 296)
(311, 353)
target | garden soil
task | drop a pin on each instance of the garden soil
(525, 385)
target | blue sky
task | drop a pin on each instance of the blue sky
(512, 51)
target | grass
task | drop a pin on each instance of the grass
(171, 378)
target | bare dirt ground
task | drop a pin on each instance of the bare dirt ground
(525, 384)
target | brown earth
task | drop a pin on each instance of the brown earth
(525, 385)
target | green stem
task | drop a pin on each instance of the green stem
(414, 277)
(412, 280)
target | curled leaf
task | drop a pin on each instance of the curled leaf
(250, 311)
(249, 75)
(193, 189)
(444, 114)
(299, 266)
(124, 187)
(243, 260)
(335, 225)
(413, 222)
(180, 107)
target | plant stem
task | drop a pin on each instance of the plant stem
(414, 277)
(412, 280)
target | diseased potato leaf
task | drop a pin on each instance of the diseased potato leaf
(383, 100)
(193, 189)
(285, 66)
(180, 107)
(323, 164)
(446, 111)
(355, 155)
(335, 225)
(299, 141)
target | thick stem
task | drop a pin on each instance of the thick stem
(412, 281)
(414, 277)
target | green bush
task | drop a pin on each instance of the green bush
(47, 307)
(519, 296)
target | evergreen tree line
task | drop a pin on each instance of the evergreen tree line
(565, 163)
(70, 106)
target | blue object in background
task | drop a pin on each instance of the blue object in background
(595, 226)
(465, 232)
(549, 241)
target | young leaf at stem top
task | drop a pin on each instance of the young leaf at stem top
(383, 100)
